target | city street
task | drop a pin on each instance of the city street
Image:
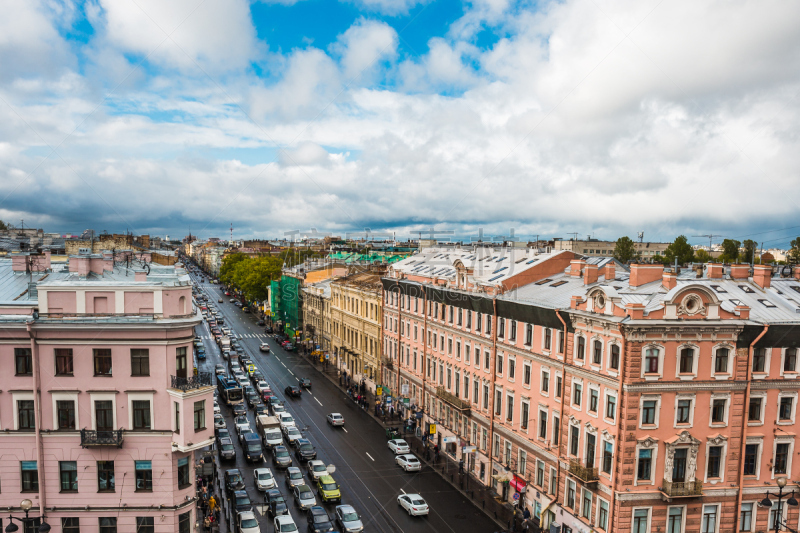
(365, 468)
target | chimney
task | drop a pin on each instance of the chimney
(744, 311)
(797, 272)
(669, 280)
(140, 276)
(740, 271)
(609, 271)
(635, 311)
(575, 301)
(642, 274)
(715, 271)
(576, 267)
(762, 275)
(590, 273)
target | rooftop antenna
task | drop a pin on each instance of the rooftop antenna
(710, 236)
(231, 232)
(574, 235)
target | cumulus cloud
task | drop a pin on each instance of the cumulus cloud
(364, 47)
(387, 7)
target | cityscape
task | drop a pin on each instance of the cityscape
(399, 266)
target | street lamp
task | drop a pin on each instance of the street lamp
(26, 505)
(766, 502)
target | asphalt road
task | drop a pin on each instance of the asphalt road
(365, 468)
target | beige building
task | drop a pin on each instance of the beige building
(595, 247)
(356, 325)
(317, 314)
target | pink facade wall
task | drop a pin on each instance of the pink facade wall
(100, 302)
(174, 306)
(138, 302)
(61, 302)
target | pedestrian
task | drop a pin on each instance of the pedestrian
(212, 503)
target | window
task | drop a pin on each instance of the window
(486, 357)
(721, 361)
(580, 352)
(145, 524)
(144, 475)
(750, 459)
(184, 525)
(714, 460)
(686, 361)
(177, 416)
(63, 362)
(675, 520)
(718, 411)
(501, 327)
(641, 521)
(70, 525)
(597, 353)
(611, 407)
(594, 397)
(183, 473)
(746, 517)
(485, 396)
(513, 334)
(469, 319)
(140, 362)
(25, 413)
(558, 387)
(781, 458)
(30, 476)
(586, 510)
(66, 414)
(478, 322)
(104, 415)
(602, 514)
(759, 360)
(540, 473)
(608, 456)
(68, 471)
(613, 362)
(560, 342)
(556, 434)
(577, 394)
(500, 364)
(570, 494)
(200, 415)
(790, 360)
(523, 417)
(649, 412)
(785, 408)
(509, 408)
(512, 368)
(105, 476)
(102, 362)
(709, 522)
(573, 440)
(108, 524)
(651, 361)
(542, 424)
(528, 334)
(754, 410)
(684, 411)
(644, 464)
(23, 362)
(545, 379)
(548, 338)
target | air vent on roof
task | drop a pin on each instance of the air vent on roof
(795, 288)
(532, 261)
(558, 283)
(734, 301)
(779, 292)
(497, 277)
(718, 288)
(767, 303)
(618, 288)
(746, 289)
(520, 260)
(502, 259)
(543, 281)
(499, 270)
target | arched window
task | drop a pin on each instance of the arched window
(182, 305)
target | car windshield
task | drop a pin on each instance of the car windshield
(306, 448)
(227, 447)
(321, 518)
(235, 479)
(293, 432)
(243, 500)
(329, 486)
(288, 527)
(288, 418)
(264, 476)
(281, 453)
(411, 460)
(273, 434)
(349, 516)
(295, 475)
(320, 468)
(254, 447)
(249, 522)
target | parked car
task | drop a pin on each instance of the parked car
(226, 449)
(294, 477)
(316, 469)
(276, 505)
(223, 433)
(398, 446)
(348, 520)
(246, 523)
(304, 497)
(233, 480)
(335, 419)
(264, 479)
(408, 462)
(319, 521)
(219, 421)
(414, 504)
(240, 501)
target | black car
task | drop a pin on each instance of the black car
(275, 503)
(241, 501)
(261, 322)
(293, 391)
(318, 520)
(305, 450)
(226, 449)
(268, 330)
(261, 409)
(305, 383)
(233, 480)
(257, 376)
(239, 409)
(252, 399)
(223, 433)
(281, 457)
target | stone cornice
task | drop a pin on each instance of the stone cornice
(672, 386)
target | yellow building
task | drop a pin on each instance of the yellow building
(355, 326)
(317, 314)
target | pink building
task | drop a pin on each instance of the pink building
(614, 400)
(100, 409)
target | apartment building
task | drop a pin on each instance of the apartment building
(100, 409)
(317, 313)
(611, 400)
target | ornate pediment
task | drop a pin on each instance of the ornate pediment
(590, 428)
(648, 441)
(684, 438)
(607, 435)
(718, 439)
(574, 421)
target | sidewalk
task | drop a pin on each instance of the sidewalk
(464, 483)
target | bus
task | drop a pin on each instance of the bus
(229, 390)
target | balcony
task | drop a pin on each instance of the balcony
(202, 379)
(461, 405)
(586, 474)
(682, 489)
(388, 363)
(92, 438)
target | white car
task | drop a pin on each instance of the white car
(264, 478)
(317, 469)
(398, 446)
(217, 410)
(284, 524)
(261, 386)
(414, 504)
(285, 420)
(335, 419)
(292, 434)
(304, 497)
(264, 347)
(246, 523)
(219, 422)
(241, 422)
(408, 462)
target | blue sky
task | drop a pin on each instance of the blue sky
(603, 118)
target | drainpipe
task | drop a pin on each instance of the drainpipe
(744, 423)
(37, 409)
(620, 429)
(382, 320)
(563, 409)
(424, 346)
(399, 347)
(492, 373)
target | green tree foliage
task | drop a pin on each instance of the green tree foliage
(749, 252)
(794, 251)
(702, 256)
(625, 250)
(251, 275)
(730, 251)
(3, 226)
(681, 250)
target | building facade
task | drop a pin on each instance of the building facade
(355, 325)
(636, 401)
(317, 314)
(598, 248)
(100, 408)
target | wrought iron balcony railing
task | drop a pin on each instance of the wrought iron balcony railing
(202, 379)
(682, 489)
(90, 437)
(587, 474)
(388, 363)
(453, 400)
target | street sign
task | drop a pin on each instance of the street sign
(432, 429)
(469, 449)
(388, 399)
(516, 496)
(407, 401)
(378, 391)
(448, 440)
(404, 389)
(419, 415)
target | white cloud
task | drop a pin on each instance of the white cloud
(387, 7)
(364, 47)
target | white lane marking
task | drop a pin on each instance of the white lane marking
(368, 455)
(284, 366)
(404, 492)
(319, 402)
(344, 430)
(292, 373)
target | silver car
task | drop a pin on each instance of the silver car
(294, 477)
(348, 520)
(304, 497)
(264, 478)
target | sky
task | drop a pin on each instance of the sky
(604, 118)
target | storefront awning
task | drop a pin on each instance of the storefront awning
(518, 483)
(503, 477)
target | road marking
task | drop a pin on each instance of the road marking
(368, 455)
(344, 430)
(284, 366)
(401, 490)
(292, 373)
(319, 402)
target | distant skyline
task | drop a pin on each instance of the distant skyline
(549, 117)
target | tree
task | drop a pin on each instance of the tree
(228, 265)
(702, 256)
(794, 251)
(749, 252)
(730, 250)
(3, 226)
(625, 250)
(681, 250)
